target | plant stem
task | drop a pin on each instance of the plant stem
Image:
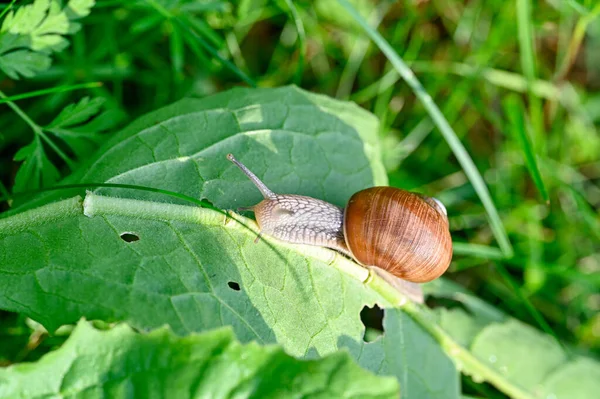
(7, 8)
(497, 77)
(575, 43)
(301, 41)
(528, 65)
(37, 129)
(191, 34)
(53, 90)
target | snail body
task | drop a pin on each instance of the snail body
(404, 233)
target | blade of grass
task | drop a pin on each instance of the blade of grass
(477, 250)
(381, 107)
(177, 53)
(564, 271)
(204, 30)
(496, 77)
(534, 277)
(440, 121)
(514, 108)
(357, 55)
(574, 179)
(193, 37)
(59, 89)
(585, 212)
(204, 6)
(301, 41)
(528, 65)
(234, 49)
(7, 8)
(576, 40)
(578, 8)
(414, 138)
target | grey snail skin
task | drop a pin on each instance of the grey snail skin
(403, 236)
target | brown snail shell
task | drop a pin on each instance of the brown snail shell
(398, 231)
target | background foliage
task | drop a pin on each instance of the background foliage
(518, 83)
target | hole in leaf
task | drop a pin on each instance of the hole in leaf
(233, 285)
(372, 319)
(129, 237)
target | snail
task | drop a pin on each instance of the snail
(403, 233)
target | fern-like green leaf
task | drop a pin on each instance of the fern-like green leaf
(75, 114)
(80, 125)
(29, 35)
(36, 170)
(161, 364)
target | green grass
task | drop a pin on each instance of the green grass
(491, 106)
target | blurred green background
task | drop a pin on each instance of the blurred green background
(519, 82)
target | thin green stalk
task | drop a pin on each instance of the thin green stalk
(357, 54)
(34, 126)
(528, 65)
(234, 50)
(440, 121)
(301, 41)
(7, 8)
(57, 149)
(413, 139)
(160, 8)
(388, 80)
(196, 201)
(497, 77)
(575, 42)
(476, 250)
(381, 106)
(177, 52)
(192, 37)
(514, 109)
(585, 211)
(575, 6)
(191, 34)
(116, 205)
(38, 131)
(204, 30)
(59, 89)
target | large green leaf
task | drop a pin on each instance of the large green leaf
(127, 256)
(291, 138)
(121, 363)
(185, 269)
(58, 264)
